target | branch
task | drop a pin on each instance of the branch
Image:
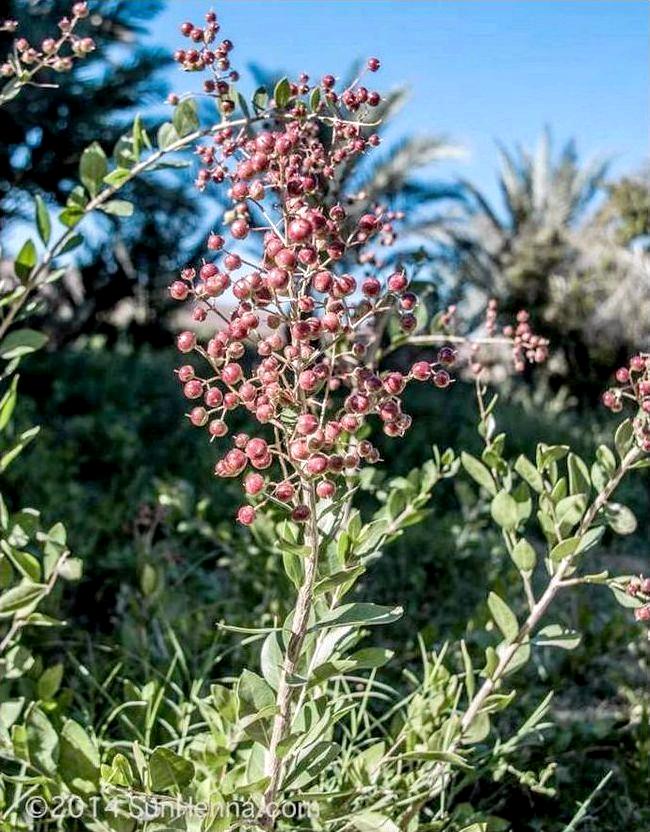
(281, 722)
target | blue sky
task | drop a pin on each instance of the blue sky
(478, 70)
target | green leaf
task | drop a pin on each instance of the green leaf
(579, 479)
(148, 580)
(312, 763)
(503, 616)
(71, 244)
(282, 93)
(478, 472)
(564, 549)
(8, 403)
(17, 661)
(140, 136)
(358, 615)
(20, 599)
(623, 598)
(25, 563)
(370, 657)
(345, 576)
(50, 682)
(624, 438)
(524, 556)
(438, 756)
(117, 207)
(271, 660)
(185, 118)
(570, 510)
(548, 455)
(17, 448)
(42, 741)
(505, 512)
(519, 658)
(478, 730)
(606, 459)
(71, 569)
(620, 518)
(167, 135)
(527, 471)
(25, 261)
(555, 635)
(469, 671)
(367, 821)
(93, 167)
(167, 769)
(79, 759)
(117, 177)
(260, 98)
(314, 101)
(21, 342)
(255, 694)
(43, 221)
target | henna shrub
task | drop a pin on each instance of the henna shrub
(312, 354)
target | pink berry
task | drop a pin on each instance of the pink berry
(186, 341)
(371, 287)
(253, 483)
(306, 424)
(421, 371)
(622, 375)
(199, 417)
(231, 373)
(317, 464)
(193, 389)
(446, 355)
(239, 229)
(218, 427)
(215, 242)
(284, 491)
(179, 290)
(185, 373)
(300, 514)
(441, 378)
(246, 515)
(326, 489)
(256, 448)
(298, 230)
(397, 282)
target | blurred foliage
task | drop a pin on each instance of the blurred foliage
(122, 272)
(551, 249)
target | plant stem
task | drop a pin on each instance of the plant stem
(286, 691)
(546, 599)
(536, 614)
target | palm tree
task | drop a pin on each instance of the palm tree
(549, 250)
(513, 253)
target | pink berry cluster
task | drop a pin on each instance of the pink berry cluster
(206, 54)
(633, 384)
(640, 588)
(527, 346)
(28, 58)
(299, 349)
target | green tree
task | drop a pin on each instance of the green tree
(575, 268)
(44, 135)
